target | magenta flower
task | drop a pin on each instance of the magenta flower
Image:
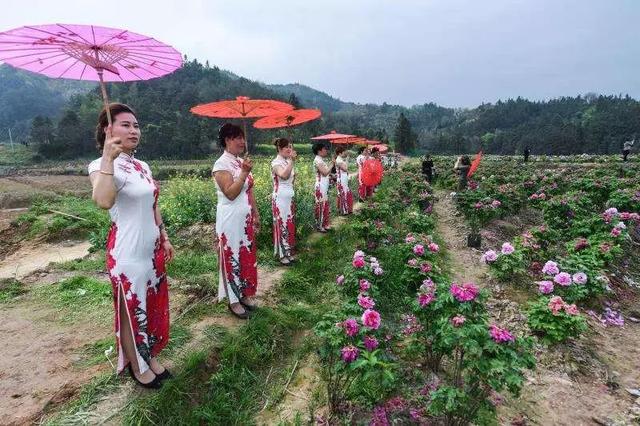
(425, 267)
(507, 248)
(581, 244)
(410, 239)
(371, 319)
(580, 278)
(418, 249)
(563, 279)
(358, 262)
(364, 285)
(545, 287)
(556, 304)
(366, 302)
(370, 343)
(495, 204)
(478, 205)
(425, 298)
(489, 256)
(351, 327)
(550, 268)
(458, 320)
(433, 247)
(428, 286)
(615, 232)
(349, 353)
(412, 262)
(340, 279)
(464, 292)
(500, 335)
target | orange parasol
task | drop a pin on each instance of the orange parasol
(242, 107)
(475, 164)
(371, 172)
(332, 136)
(348, 141)
(381, 147)
(287, 119)
(367, 142)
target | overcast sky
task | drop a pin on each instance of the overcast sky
(452, 52)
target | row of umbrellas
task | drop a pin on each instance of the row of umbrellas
(89, 52)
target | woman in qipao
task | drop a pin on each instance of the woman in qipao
(321, 189)
(345, 197)
(282, 203)
(137, 246)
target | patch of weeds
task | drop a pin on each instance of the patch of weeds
(190, 263)
(80, 296)
(10, 289)
(93, 263)
(94, 353)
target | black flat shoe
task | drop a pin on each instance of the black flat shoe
(248, 307)
(156, 383)
(164, 375)
(244, 315)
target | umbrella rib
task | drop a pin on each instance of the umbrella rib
(73, 64)
(55, 63)
(115, 36)
(135, 41)
(142, 57)
(52, 34)
(137, 76)
(83, 70)
(34, 54)
(38, 59)
(60, 25)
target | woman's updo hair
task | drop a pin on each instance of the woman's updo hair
(340, 149)
(103, 122)
(230, 131)
(317, 147)
(466, 160)
(281, 143)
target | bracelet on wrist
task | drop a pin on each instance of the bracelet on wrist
(105, 173)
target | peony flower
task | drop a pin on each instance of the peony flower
(489, 256)
(358, 262)
(545, 287)
(370, 343)
(458, 320)
(410, 239)
(425, 267)
(507, 248)
(581, 244)
(563, 279)
(366, 302)
(364, 285)
(500, 335)
(428, 286)
(378, 271)
(418, 249)
(495, 204)
(425, 298)
(349, 353)
(412, 262)
(556, 304)
(615, 232)
(340, 279)
(550, 268)
(358, 253)
(571, 309)
(611, 211)
(465, 292)
(580, 278)
(350, 327)
(621, 225)
(433, 247)
(371, 319)
(478, 205)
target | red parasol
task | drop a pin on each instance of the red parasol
(368, 142)
(85, 52)
(332, 136)
(474, 164)
(348, 141)
(381, 147)
(371, 172)
(287, 119)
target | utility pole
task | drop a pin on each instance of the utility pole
(10, 139)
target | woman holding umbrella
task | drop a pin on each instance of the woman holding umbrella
(237, 223)
(345, 197)
(461, 167)
(282, 204)
(364, 191)
(137, 246)
(321, 187)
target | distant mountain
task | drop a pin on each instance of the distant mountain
(25, 95)
(310, 98)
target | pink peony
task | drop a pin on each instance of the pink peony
(425, 267)
(465, 292)
(366, 302)
(489, 256)
(580, 278)
(340, 279)
(581, 244)
(545, 287)
(371, 319)
(358, 262)
(500, 335)
(418, 249)
(495, 204)
(458, 320)
(410, 239)
(378, 271)
(425, 298)
(433, 247)
(350, 327)
(556, 304)
(412, 262)
(364, 285)
(550, 268)
(615, 232)
(358, 253)
(563, 279)
(571, 309)
(478, 205)
(428, 286)
(507, 248)
(350, 353)
(370, 343)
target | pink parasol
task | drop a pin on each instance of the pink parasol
(85, 52)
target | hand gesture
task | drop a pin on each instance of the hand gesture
(112, 146)
(294, 154)
(169, 251)
(247, 165)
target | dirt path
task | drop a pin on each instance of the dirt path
(580, 383)
(29, 259)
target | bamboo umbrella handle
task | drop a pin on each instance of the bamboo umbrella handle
(104, 96)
